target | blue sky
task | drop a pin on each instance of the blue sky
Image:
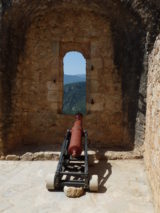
(74, 63)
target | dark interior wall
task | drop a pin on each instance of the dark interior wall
(148, 13)
(134, 26)
(129, 60)
(12, 44)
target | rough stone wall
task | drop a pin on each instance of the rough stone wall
(38, 92)
(1, 141)
(148, 13)
(12, 44)
(152, 137)
(126, 25)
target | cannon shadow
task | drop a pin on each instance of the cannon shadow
(101, 167)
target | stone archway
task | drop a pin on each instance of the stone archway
(84, 49)
(74, 83)
(32, 80)
(40, 102)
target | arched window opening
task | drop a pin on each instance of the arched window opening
(74, 83)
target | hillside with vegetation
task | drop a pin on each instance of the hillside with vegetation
(74, 99)
(68, 79)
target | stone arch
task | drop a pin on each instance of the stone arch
(84, 49)
(125, 28)
(74, 73)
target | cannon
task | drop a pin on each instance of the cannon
(72, 168)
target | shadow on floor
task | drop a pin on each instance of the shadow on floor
(102, 168)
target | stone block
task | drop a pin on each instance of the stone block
(54, 106)
(73, 192)
(108, 63)
(52, 96)
(2, 157)
(95, 50)
(97, 107)
(51, 156)
(93, 74)
(12, 157)
(27, 156)
(51, 86)
(93, 85)
(56, 48)
(97, 63)
(88, 65)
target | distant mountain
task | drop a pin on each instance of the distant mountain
(74, 98)
(69, 79)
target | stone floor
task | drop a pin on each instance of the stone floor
(123, 189)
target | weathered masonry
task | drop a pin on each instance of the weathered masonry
(36, 37)
(117, 40)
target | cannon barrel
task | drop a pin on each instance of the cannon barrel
(75, 146)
